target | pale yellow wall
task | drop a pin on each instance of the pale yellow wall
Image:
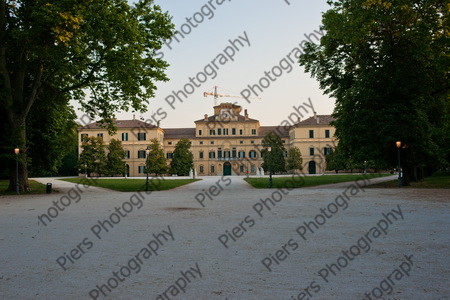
(298, 137)
(132, 145)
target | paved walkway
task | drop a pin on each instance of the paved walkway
(246, 243)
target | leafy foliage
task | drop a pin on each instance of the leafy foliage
(156, 161)
(71, 46)
(386, 63)
(114, 159)
(294, 159)
(93, 157)
(183, 159)
(273, 160)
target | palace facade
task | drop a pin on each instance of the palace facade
(225, 143)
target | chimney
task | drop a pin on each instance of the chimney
(318, 120)
(134, 117)
(246, 114)
(206, 117)
(315, 115)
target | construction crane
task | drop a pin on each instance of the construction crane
(216, 96)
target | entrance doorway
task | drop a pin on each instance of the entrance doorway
(226, 169)
(312, 167)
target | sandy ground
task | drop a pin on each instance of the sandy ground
(151, 248)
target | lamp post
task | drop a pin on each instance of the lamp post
(147, 151)
(85, 170)
(269, 149)
(16, 151)
(400, 183)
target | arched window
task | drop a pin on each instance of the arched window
(202, 169)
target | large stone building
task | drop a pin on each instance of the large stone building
(226, 143)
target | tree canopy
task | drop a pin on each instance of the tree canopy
(115, 164)
(92, 156)
(183, 159)
(274, 159)
(294, 159)
(106, 47)
(156, 161)
(386, 63)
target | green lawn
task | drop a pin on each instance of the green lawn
(35, 188)
(298, 182)
(439, 180)
(132, 185)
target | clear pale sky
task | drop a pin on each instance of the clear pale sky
(273, 30)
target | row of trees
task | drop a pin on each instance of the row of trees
(109, 160)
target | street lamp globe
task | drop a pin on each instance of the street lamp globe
(398, 144)
(16, 151)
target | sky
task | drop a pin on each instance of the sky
(240, 43)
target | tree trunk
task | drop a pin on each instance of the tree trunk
(18, 130)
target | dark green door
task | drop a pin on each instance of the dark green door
(226, 169)
(312, 167)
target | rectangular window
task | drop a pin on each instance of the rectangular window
(326, 150)
(100, 135)
(327, 133)
(169, 155)
(311, 134)
(201, 169)
(254, 131)
(212, 169)
(212, 142)
(201, 142)
(241, 168)
(141, 154)
(212, 132)
(241, 154)
(233, 153)
(124, 136)
(219, 153)
(169, 143)
(241, 142)
(219, 131)
(252, 168)
(252, 142)
(212, 154)
(200, 154)
(84, 136)
(126, 154)
(142, 136)
(141, 169)
(199, 132)
(311, 151)
(233, 131)
(226, 154)
(240, 131)
(225, 131)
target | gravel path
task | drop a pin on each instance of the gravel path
(221, 239)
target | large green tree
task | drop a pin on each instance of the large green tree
(115, 164)
(106, 47)
(274, 160)
(183, 159)
(386, 63)
(51, 133)
(294, 160)
(156, 161)
(93, 156)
